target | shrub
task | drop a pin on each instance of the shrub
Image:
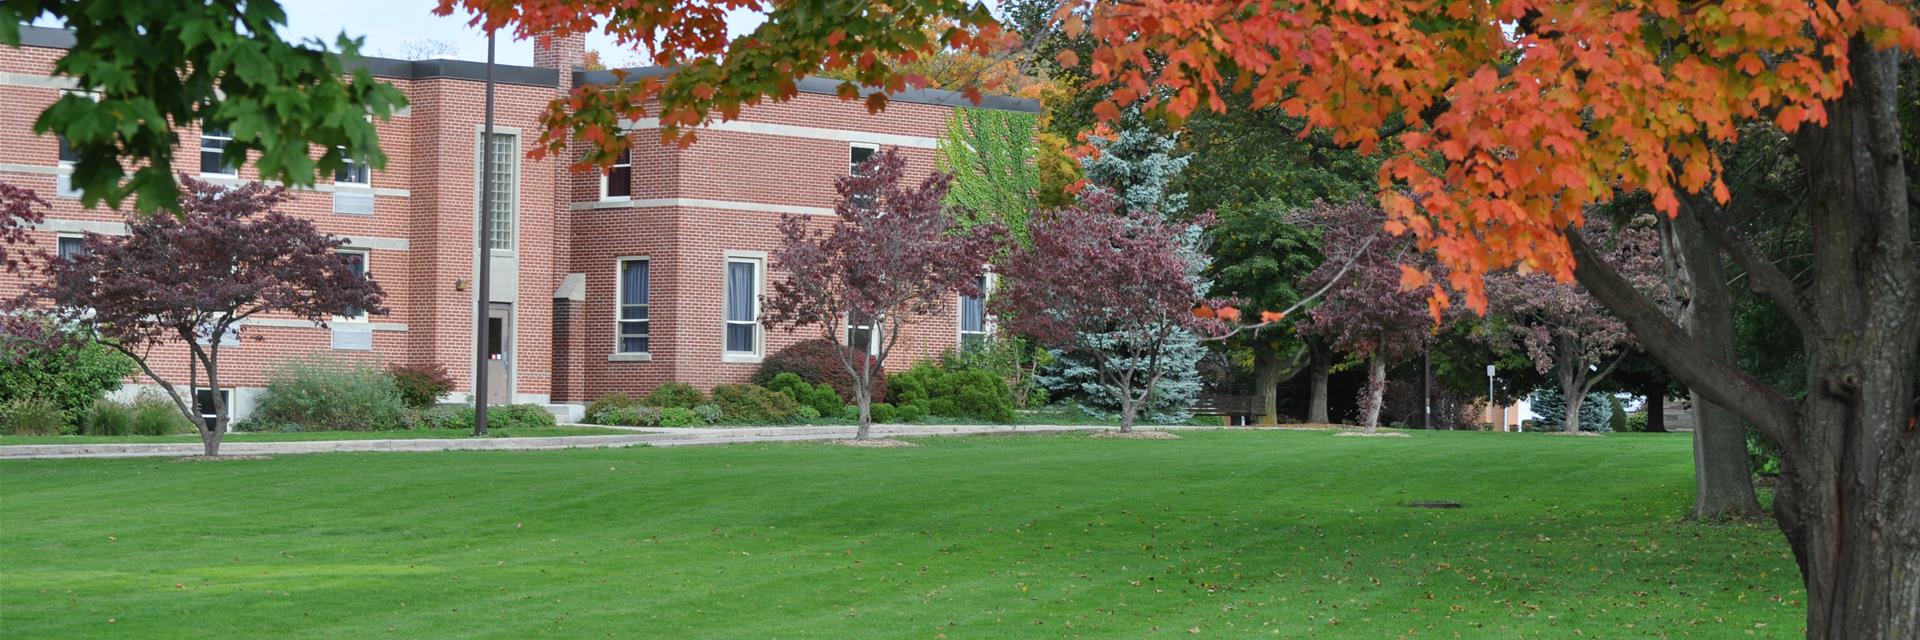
(508, 416)
(32, 416)
(71, 376)
(809, 413)
(816, 361)
(325, 396)
(674, 394)
(881, 412)
(819, 397)
(1637, 422)
(912, 412)
(599, 409)
(1618, 420)
(421, 385)
(634, 416)
(850, 412)
(966, 392)
(447, 417)
(520, 416)
(155, 415)
(753, 403)
(708, 413)
(107, 418)
(678, 417)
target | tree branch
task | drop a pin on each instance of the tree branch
(1764, 276)
(1718, 380)
(1342, 273)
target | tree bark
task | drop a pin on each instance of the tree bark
(1722, 481)
(1321, 362)
(1657, 410)
(1266, 377)
(1376, 392)
(1849, 493)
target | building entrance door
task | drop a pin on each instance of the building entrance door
(500, 353)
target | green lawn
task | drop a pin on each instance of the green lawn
(1219, 534)
(305, 436)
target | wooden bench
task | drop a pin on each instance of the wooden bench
(1232, 409)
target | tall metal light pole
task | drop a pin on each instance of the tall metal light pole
(483, 282)
(1426, 386)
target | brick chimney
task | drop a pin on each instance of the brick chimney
(562, 53)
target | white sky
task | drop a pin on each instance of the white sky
(386, 24)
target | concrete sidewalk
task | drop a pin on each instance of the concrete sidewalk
(641, 436)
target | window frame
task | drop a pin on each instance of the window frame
(63, 181)
(872, 148)
(60, 239)
(513, 176)
(233, 170)
(350, 166)
(206, 418)
(874, 333)
(759, 262)
(366, 270)
(620, 305)
(987, 282)
(606, 178)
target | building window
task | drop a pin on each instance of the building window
(353, 171)
(70, 247)
(617, 183)
(973, 316)
(863, 333)
(214, 159)
(506, 187)
(859, 154)
(630, 321)
(743, 307)
(356, 260)
(203, 403)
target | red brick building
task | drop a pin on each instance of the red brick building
(600, 284)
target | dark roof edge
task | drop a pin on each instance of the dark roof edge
(57, 38)
(831, 86)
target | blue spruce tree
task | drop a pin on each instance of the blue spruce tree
(1139, 166)
(1550, 410)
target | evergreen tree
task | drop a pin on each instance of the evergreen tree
(1550, 410)
(1138, 165)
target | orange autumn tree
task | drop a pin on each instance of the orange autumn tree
(1512, 118)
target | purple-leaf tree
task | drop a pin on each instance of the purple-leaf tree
(1108, 284)
(1367, 312)
(893, 253)
(190, 280)
(20, 209)
(1567, 331)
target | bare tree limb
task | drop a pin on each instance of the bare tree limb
(1721, 382)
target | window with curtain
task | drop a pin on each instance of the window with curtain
(743, 306)
(506, 187)
(71, 246)
(617, 183)
(631, 324)
(973, 317)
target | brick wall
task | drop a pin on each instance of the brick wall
(689, 208)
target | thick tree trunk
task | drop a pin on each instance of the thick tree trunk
(1322, 361)
(1376, 392)
(1722, 481)
(1849, 494)
(1657, 410)
(1570, 422)
(1849, 499)
(1569, 369)
(1266, 379)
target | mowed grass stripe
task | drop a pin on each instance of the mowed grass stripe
(1232, 534)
